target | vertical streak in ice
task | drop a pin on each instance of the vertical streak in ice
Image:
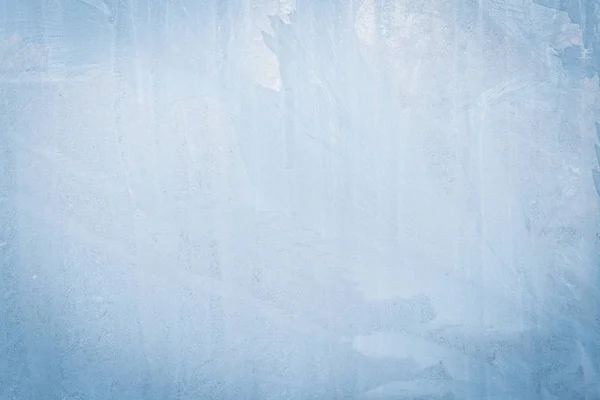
(454, 130)
(116, 68)
(475, 125)
(216, 302)
(11, 335)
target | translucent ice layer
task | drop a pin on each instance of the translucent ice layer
(310, 199)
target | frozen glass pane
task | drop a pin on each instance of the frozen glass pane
(310, 199)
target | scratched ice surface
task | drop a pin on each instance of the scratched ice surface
(319, 199)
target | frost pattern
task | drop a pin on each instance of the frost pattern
(378, 199)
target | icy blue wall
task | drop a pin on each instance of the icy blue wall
(370, 199)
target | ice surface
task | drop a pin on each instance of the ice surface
(301, 199)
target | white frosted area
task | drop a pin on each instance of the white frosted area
(310, 199)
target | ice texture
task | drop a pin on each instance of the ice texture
(309, 199)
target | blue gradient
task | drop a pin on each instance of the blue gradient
(294, 199)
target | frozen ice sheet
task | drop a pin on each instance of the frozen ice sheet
(299, 199)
